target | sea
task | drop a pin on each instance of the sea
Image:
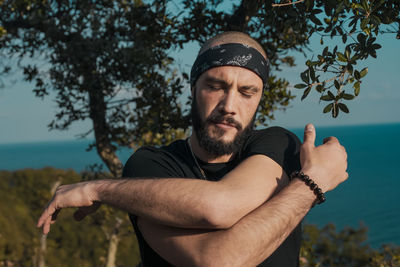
(369, 197)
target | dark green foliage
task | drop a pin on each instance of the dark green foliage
(348, 247)
(23, 195)
(358, 24)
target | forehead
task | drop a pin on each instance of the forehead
(230, 74)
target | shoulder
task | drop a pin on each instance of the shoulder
(150, 161)
(273, 136)
(278, 143)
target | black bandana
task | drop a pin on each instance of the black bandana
(231, 54)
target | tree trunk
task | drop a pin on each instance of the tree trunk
(113, 244)
(105, 149)
(41, 262)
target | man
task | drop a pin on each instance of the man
(242, 209)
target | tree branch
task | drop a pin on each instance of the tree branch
(288, 4)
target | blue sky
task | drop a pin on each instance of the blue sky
(24, 118)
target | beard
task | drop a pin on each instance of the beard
(213, 145)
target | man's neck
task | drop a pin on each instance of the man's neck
(205, 156)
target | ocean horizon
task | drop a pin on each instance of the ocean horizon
(368, 197)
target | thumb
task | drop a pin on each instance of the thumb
(309, 135)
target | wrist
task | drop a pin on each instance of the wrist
(312, 185)
(97, 189)
(317, 174)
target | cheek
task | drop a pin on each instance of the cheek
(207, 102)
(249, 109)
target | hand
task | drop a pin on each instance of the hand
(74, 195)
(325, 164)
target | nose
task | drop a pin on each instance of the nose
(227, 104)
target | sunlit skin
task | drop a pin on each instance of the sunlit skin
(229, 90)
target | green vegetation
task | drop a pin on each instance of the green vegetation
(24, 193)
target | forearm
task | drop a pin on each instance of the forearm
(170, 201)
(249, 242)
(192, 203)
(259, 234)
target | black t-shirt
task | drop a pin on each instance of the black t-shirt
(176, 160)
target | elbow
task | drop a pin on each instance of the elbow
(219, 213)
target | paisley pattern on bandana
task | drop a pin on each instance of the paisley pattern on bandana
(231, 54)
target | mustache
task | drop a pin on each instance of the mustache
(224, 119)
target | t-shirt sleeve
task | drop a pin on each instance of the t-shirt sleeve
(277, 143)
(148, 162)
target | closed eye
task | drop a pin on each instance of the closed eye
(246, 94)
(214, 87)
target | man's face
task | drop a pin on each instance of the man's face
(224, 104)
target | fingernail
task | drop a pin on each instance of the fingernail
(309, 127)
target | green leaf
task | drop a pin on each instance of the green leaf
(326, 98)
(343, 107)
(306, 92)
(312, 73)
(300, 85)
(347, 53)
(357, 74)
(349, 68)
(331, 95)
(348, 96)
(361, 38)
(328, 108)
(315, 20)
(337, 85)
(304, 77)
(376, 46)
(341, 57)
(356, 88)
(344, 38)
(363, 72)
(365, 5)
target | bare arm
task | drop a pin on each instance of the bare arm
(258, 234)
(247, 243)
(188, 203)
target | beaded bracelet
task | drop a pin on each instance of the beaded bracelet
(313, 186)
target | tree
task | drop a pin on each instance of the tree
(348, 247)
(108, 61)
(96, 51)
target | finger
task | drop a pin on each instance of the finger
(330, 139)
(47, 217)
(82, 212)
(46, 226)
(309, 135)
(54, 216)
